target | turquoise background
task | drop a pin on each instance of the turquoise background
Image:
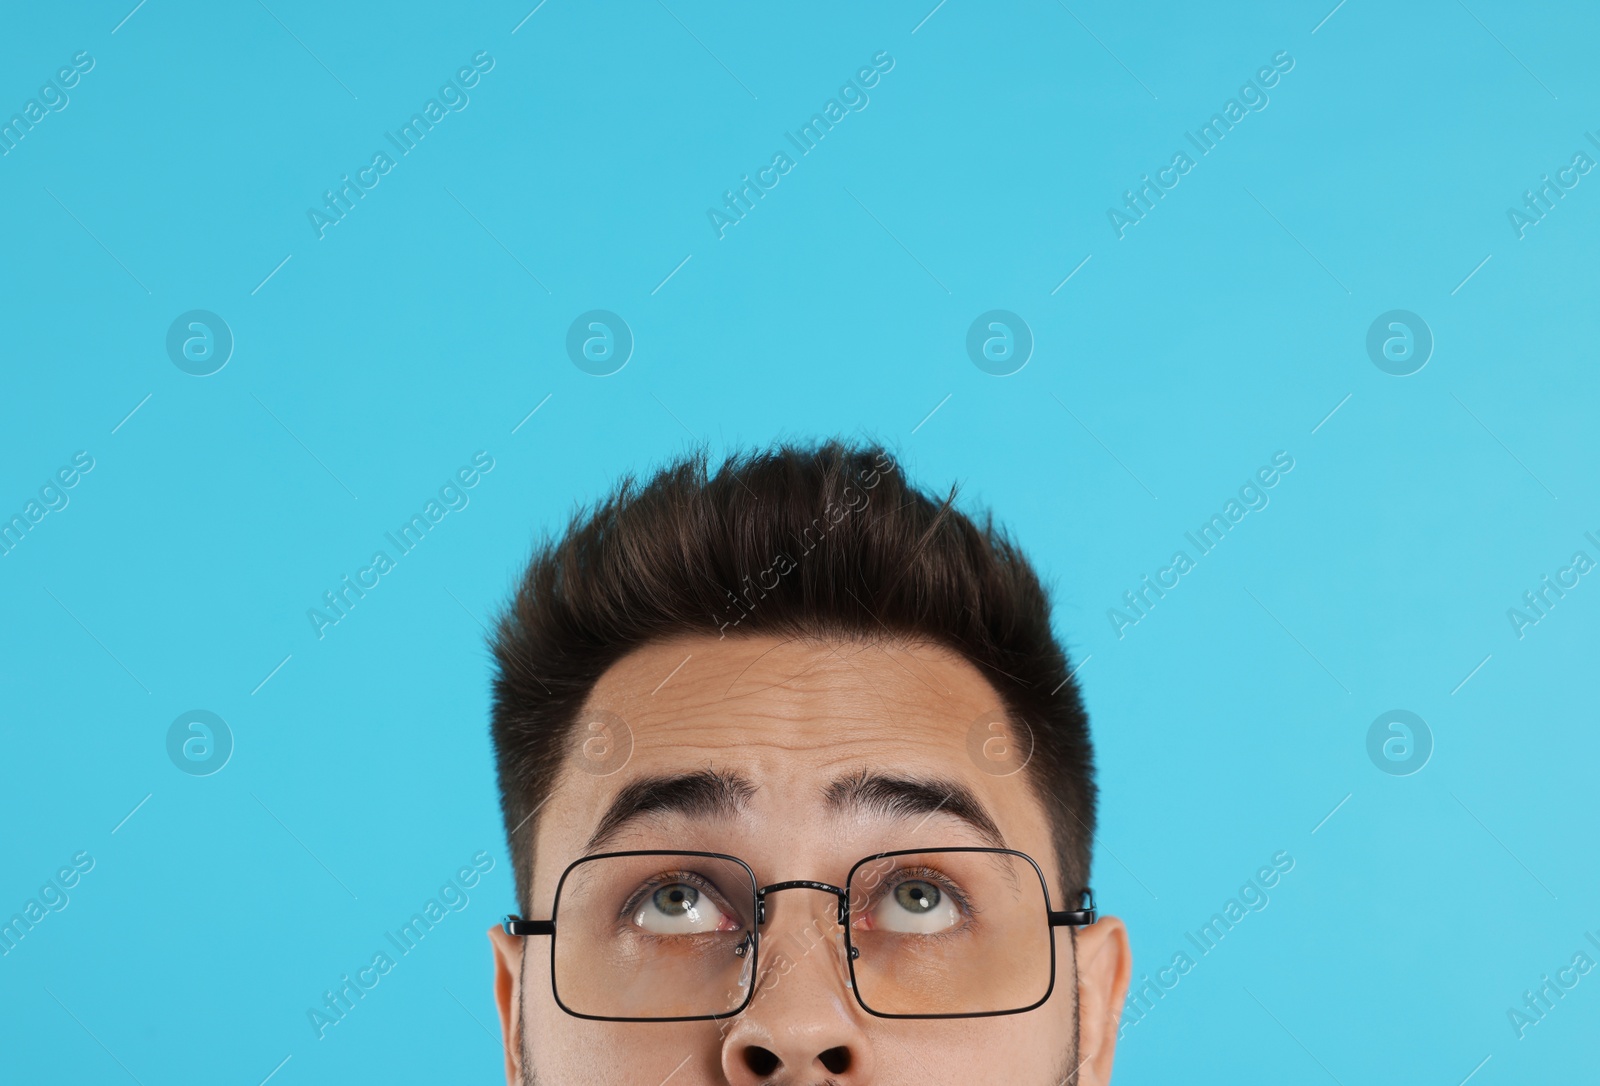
(424, 327)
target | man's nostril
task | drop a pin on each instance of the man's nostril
(762, 1061)
(836, 1060)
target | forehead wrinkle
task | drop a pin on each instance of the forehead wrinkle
(729, 695)
(835, 651)
(798, 719)
(778, 714)
(822, 652)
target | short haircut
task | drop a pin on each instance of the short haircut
(795, 541)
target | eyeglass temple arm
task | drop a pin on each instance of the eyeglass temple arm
(1076, 918)
(515, 925)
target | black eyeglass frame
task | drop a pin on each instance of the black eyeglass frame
(1083, 916)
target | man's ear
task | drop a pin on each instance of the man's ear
(508, 951)
(1105, 965)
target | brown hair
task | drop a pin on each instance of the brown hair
(795, 541)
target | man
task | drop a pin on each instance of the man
(798, 790)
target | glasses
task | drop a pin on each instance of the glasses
(661, 936)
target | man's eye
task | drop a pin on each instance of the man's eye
(916, 906)
(680, 909)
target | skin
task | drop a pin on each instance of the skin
(793, 716)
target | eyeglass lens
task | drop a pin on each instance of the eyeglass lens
(942, 932)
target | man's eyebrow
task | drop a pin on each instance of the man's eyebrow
(905, 797)
(705, 793)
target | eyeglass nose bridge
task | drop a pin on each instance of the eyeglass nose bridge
(803, 884)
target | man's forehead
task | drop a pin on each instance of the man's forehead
(766, 736)
(792, 695)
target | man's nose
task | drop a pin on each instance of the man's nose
(803, 1025)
